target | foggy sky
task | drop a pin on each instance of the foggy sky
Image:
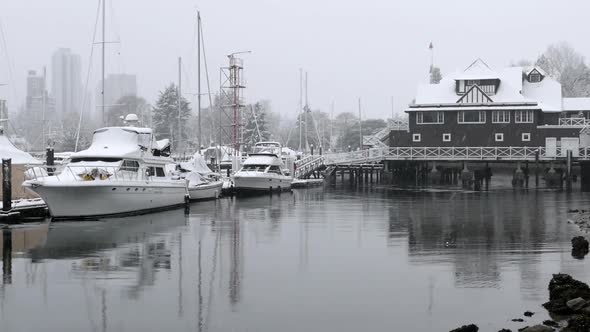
(373, 49)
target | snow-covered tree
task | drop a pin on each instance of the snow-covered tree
(165, 115)
(435, 75)
(567, 66)
(256, 128)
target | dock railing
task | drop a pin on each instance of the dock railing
(574, 122)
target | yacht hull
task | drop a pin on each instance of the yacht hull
(88, 200)
(261, 182)
(205, 191)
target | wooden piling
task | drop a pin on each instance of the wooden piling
(6, 185)
(568, 172)
(537, 169)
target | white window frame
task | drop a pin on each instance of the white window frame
(529, 116)
(446, 137)
(499, 137)
(416, 138)
(440, 118)
(505, 117)
(461, 115)
(525, 137)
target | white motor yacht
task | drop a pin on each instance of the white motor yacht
(263, 170)
(202, 182)
(123, 172)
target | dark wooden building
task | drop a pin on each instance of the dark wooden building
(482, 107)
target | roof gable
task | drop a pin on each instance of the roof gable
(474, 96)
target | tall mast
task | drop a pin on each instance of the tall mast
(43, 107)
(179, 95)
(199, 78)
(331, 125)
(305, 110)
(103, 57)
(300, 107)
(360, 127)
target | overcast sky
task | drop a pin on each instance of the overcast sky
(373, 49)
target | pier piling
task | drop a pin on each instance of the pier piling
(6, 185)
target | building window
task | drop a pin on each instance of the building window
(526, 137)
(523, 116)
(501, 117)
(472, 117)
(430, 117)
(535, 78)
(446, 137)
(499, 137)
(416, 137)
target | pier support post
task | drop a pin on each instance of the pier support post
(568, 172)
(50, 160)
(6, 185)
(487, 176)
(585, 176)
(537, 168)
(466, 177)
(518, 177)
(526, 174)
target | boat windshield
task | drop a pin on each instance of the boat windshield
(95, 159)
(267, 147)
(254, 168)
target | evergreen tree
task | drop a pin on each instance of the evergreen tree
(256, 128)
(165, 115)
(435, 75)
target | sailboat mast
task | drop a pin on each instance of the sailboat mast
(179, 94)
(305, 110)
(43, 102)
(300, 107)
(199, 78)
(103, 57)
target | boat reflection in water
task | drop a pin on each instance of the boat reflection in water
(308, 260)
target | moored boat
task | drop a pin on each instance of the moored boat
(263, 170)
(123, 172)
(201, 181)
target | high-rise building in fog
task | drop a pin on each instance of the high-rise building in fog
(35, 106)
(66, 81)
(116, 86)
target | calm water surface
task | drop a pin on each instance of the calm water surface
(313, 260)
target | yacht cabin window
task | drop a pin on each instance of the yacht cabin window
(160, 172)
(130, 165)
(274, 169)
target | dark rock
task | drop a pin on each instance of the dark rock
(563, 288)
(466, 328)
(538, 328)
(573, 211)
(529, 313)
(577, 324)
(551, 323)
(518, 320)
(505, 330)
(579, 247)
(522, 329)
(576, 304)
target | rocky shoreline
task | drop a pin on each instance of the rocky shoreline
(569, 299)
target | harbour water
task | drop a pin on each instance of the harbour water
(376, 259)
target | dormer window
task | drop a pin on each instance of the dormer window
(535, 76)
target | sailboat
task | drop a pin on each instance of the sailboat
(202, 182)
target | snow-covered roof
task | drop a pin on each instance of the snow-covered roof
(528, 70)
(262, 160)
(576, 104)
(118, 142)
(547, 93)
(477, 70)
(512, 89)
(8, 150)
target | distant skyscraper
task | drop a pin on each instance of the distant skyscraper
(36, 89)
(66, 81)
(116, 86)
